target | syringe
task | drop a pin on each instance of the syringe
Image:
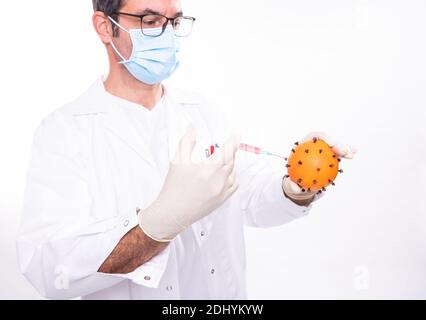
(245, 147)
(253, 149)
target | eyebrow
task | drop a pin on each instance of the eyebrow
(150, 11)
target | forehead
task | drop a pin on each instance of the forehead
(166, 7)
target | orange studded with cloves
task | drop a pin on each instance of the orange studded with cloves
(313, 165)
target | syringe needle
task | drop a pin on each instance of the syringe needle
(274, 155)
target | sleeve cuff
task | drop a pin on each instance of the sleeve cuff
(287, 204)
(150, 273)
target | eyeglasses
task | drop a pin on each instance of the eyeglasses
(154, 25)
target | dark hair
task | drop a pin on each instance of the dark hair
(109, 7)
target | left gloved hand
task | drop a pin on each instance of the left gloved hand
(292, 190)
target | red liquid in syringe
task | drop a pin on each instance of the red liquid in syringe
(249, 148)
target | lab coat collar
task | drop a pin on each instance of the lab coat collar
(98, 101)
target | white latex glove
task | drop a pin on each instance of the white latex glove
(291, 189)
(191, 190)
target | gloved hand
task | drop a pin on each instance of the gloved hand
(191, 190)
(292, 190)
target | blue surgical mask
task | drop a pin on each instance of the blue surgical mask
(153, 59)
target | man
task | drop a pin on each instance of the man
(120, 203)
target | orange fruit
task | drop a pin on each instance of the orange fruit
(313, 165)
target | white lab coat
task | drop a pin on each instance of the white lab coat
(88, 173)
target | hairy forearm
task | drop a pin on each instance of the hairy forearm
(133, 250)
(305, 203)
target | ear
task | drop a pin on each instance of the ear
(102, 26)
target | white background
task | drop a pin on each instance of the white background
(354, 68)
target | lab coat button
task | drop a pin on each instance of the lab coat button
(202, 233)
(147, 278)
(169, 288)
(212, 271)
(126, 223)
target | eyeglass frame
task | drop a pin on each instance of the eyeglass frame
(141, 16)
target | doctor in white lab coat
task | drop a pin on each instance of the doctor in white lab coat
(100, 164)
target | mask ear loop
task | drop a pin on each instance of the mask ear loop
(112, 43)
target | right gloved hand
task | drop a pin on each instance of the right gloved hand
(191, 190)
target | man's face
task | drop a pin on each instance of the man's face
(169, 8)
